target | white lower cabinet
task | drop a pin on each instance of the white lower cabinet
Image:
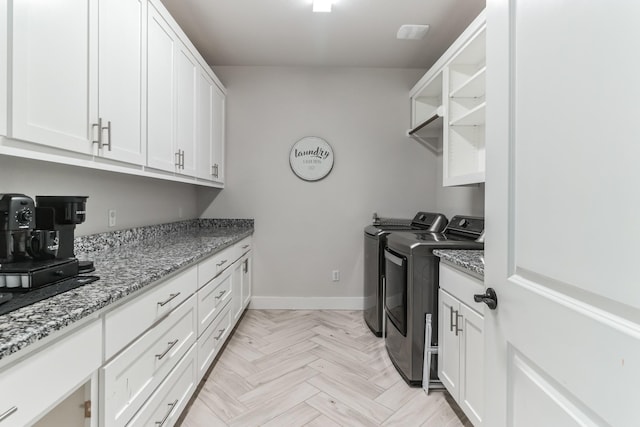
(135, 373)
(461, 341)
(165, 405)
(37, 384)
(162, 343)
(212, 338)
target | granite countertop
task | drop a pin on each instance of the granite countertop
(126, 261)
(470, 260)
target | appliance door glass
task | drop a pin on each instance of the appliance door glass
(396, 289)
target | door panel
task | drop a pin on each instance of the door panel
(120, 87)
(53, 73)
(186, 69)
(560, 172)
(160, 93)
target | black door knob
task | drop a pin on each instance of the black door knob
(489, 297)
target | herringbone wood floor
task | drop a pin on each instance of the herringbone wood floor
(312, 368)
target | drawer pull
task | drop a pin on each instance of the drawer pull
(164, 353)
(164, 420)
(8, 413)
(220, 334)
(221, 293)
(221, 263)
(451, 319)
(171, 297)
(245, 246)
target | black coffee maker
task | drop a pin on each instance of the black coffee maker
(36, 240)
(17, 221)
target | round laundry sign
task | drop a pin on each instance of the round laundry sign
(311, 158)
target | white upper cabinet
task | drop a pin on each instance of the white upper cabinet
(186, 84)
(116, 82)
(54, 96)
(120, 91)
(217, 147)
(204, 126)
(161, 49)
(4, 28)
(210, 129)
(448, 107)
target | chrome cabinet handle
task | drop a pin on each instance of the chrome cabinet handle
(214, 170)
(220, 334)
(99, 126)
(168, 300)
(182, 159)
(458, 316)
(246, 265)
(177, 156)
(245, 246)
(221, 293)
(164, 353)
(451, 318)
(108, 129)
(164, 420)
(8, 413)
(221, 263)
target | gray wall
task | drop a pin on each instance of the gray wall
(138, 201)
(305, 230)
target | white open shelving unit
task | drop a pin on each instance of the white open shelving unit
(448, 107)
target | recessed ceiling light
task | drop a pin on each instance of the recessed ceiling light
(412, 32)
(322, 5)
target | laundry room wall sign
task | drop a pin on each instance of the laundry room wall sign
(311, 158)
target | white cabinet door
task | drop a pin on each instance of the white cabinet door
(217, 152)
(204, 126)
(54, 73)
(186, 73)
(236, 287)
(120, 79)
(161, 49)
(4, 33)
(246, 279)
(471, 397)
(563, 344)
(448, 343)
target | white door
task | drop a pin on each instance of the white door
(54, 73)
(4, 33)
(120, 79)
(186, 83)
(161, 51)
(562, 202)
(204, 129)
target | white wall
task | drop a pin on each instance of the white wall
(305, 230)
(138, 201)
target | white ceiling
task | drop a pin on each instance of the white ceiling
(358, 33)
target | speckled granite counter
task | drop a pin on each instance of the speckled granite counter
(470, 260)
(125, 261)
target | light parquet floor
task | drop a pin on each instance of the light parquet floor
(312, 368)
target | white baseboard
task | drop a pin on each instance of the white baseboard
(307, 303)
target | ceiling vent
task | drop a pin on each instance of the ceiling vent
(412, 32)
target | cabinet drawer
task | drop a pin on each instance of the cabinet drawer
(132, 376)
(211, 267)
(212, 338)
(212, 297)
(462, 286)
(170, 399)
(243, 246)
(125, 323)
(37, 383)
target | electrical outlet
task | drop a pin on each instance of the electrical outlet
(335, 275)
(112, 217)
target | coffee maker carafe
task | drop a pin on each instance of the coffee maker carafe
(17, 221)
